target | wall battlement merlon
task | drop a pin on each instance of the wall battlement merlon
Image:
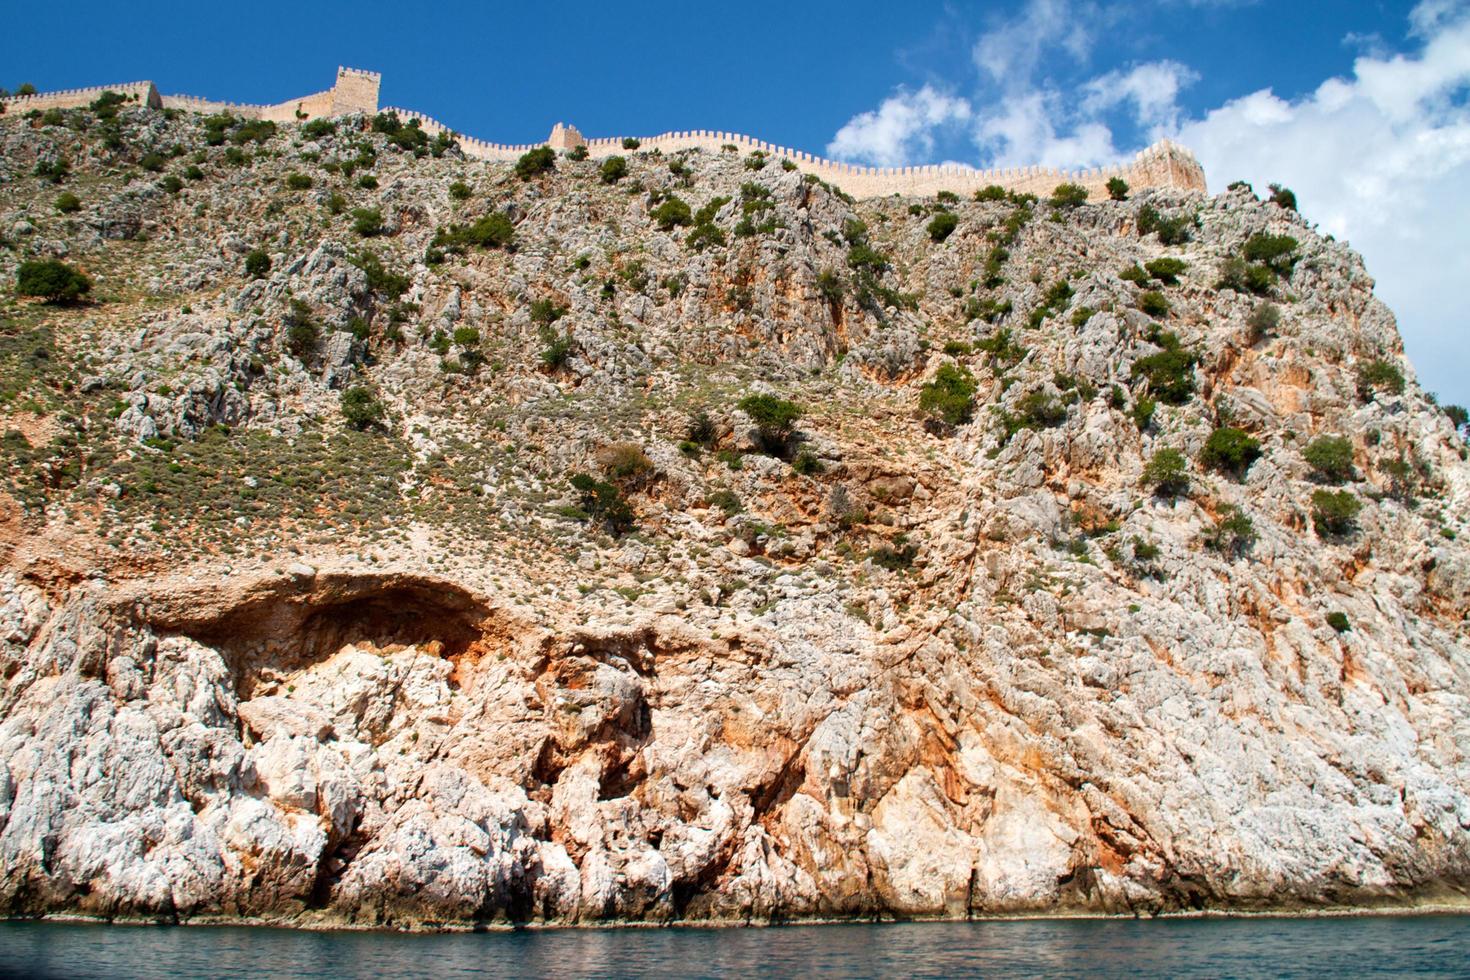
(1164, 164)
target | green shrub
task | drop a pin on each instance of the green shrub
(557, 352)
(603, 502)
(1118, 188)
(302, 332)
(1153, 303)
(466, 336)
(626, 464)
(51, 280)
(1379, 375)
(726, 500)
(1339, 621)
(153, 162)
(459, 190)
(829, 285)
(701, 431)
(318, 128)
(775, 421)
(992, 192)
(1335, 514)
(68, 203)
(367, 222)
(1331, 457)
(950, 396)
(578, 153)
(631, 143)
(806, 463)
(192, 172)
(1167, 473)
(54, 171)
(1171, 231)
(1230, 450)
(1134, 274)
(1234, 533)
(536, 162)
(367, 182)
(672, 213)
(1035, 410)
(1278, 252)
(491, 231)
(1169, 373)
(613, 169)
(298, 182)
(896, 556)
(1245, 277)
(1143, 413)
(1457, 415)
(942, 226)
(864, 256)
(171, 184)
(545, 311)
(257, 264)
(53, 117)
(1283, 197)
(1068, 196)
(1167, 270)
(1262, 322)
(361, 409)
(379, 278)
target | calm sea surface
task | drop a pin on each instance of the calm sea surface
(1424, 946)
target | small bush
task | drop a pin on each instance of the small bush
(1275, 251)
(153, 162)
(603, 503)
(1170, 373)
(701, 431)
(1134, 274)
(992, 192)
(55, 171)
(545, 311)
(672, 213)
(298, 182)
(613, 169)
(775, 421)
(1068, 196)
(577, 153)
(51, 280)
(302, 333)
(68, 203)
(257, 264)
(171, 184)
(367, 222)
(1331, 457)
(950, 396)
(1167, 270)
(535, 162)
(1262, 322)
(829, 285)
(1283, 197)
(361, 409)
(1234, 533)
(557, 352)
(1118, 189)
(896, 556)
(491, 231)
(1167, 473)
(806, 463)
(1457, 415)
(942, 226)
(1335, 513)
(1339, 621)
(626, 464)
(459, 190)
(318, 128)
(1171, 231)
(631, 143)
(1153, 303)
(379, 278)
(1379, 375)
(1230, 450)
(367, 182)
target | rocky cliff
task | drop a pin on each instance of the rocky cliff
(387, 538)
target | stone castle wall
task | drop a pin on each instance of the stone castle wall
(1164, 164)
(73, 98)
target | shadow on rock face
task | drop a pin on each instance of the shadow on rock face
(278, 626)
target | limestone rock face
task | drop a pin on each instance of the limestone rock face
(261, 660)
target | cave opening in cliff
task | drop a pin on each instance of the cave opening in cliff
(282, 629)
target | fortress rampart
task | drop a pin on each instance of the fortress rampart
(1165, 164)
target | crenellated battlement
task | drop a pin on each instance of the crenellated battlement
(1165, 164)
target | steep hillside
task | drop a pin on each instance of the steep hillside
(392, 539)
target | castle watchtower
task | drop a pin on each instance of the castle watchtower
(356, 91)
(564, 137)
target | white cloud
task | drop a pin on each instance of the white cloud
(1010, 52)
(1382, 159)
(1153, 88)
(900, 129)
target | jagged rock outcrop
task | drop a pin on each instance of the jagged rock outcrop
(264, 659)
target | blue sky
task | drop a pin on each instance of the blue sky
(1381, 156)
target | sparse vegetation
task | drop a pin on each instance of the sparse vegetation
(950, 397)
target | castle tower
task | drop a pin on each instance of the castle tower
(356, 91)
(564, 137)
